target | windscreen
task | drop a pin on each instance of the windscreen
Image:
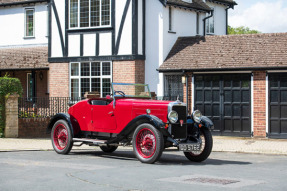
(131, 90)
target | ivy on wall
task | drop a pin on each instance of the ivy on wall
(7, 86)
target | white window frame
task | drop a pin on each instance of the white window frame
(25, 22)
(79, 77)
(207, 26)
(101, 26)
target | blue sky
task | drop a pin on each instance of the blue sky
(267, 16)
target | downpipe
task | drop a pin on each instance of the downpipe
(204, 21)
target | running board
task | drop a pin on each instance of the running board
(96, 142)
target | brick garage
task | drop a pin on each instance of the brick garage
(256, 55)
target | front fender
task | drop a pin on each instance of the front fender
(131, 126)
(59, 116)
(207, 122)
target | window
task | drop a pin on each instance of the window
(90, 77)
(29, 86)
(173, 87)
(210, 25)
(90, 13)
(170, 19)
(197, 23)
(29, 22)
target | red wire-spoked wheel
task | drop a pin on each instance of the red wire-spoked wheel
(146, 143)
(60, 136)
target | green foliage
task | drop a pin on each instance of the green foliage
(241, 30)
(7, 86)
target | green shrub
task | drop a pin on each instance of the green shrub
(7, 86)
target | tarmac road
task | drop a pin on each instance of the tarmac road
(95, 170)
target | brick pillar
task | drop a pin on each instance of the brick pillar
(189, 92)
(11, 113)
(259, 102)
(129, 71)
(59, 79)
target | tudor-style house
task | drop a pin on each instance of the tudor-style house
(95, 42)
(24, 44)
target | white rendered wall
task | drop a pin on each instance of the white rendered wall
(140, 27)
(159, 41)
(125, 46)
(219, 18)
(56, 40)
(12, 21)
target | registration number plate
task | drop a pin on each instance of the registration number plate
(189, 147)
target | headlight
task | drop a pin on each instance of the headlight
(173, 116)
(197, 116)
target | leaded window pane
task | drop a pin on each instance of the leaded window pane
(73, 13)
(96, 85)
(84, 13)
(75, 88)
(106, 86)
(105, 12)
(173, 87)
(75, 69)
(85, 86)
(29, 23)
(95, 13)
(106, 68)
(85, 69)
(96, 68)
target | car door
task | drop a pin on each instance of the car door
(103, 118)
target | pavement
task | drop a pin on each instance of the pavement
(220, 144)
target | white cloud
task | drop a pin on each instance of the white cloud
(267, 17)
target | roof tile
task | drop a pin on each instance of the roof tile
(227, 52)
(24, 58)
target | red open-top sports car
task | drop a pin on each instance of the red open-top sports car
(130, 116)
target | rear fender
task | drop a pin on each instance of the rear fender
(59, 116)
(131, 126)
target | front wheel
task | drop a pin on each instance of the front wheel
(205, 149)
(61, 136)
(148, 143)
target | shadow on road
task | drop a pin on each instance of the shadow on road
(166, 159)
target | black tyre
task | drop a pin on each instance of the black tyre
(61, 136)
(148, 143)
(108, 148)
(205, 149)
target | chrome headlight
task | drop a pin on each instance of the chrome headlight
(173, 116)
(197, 116)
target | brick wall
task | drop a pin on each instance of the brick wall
(33, 128)
(129, 71)
(259, 101)
(11, 114)
(59, 80)
(189, 92)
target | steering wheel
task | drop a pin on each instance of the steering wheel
(120, 92)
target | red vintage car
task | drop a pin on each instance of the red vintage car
(131, 117)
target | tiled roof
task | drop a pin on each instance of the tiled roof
(16, 2)
(226, 1)
(24, 58)
(198, 4)
(228, 52)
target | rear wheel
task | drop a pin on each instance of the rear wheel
(61, 137)
(205, 149)
(108, 148)
(148, 143)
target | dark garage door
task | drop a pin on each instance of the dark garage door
(278, 105)
(226, 100)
